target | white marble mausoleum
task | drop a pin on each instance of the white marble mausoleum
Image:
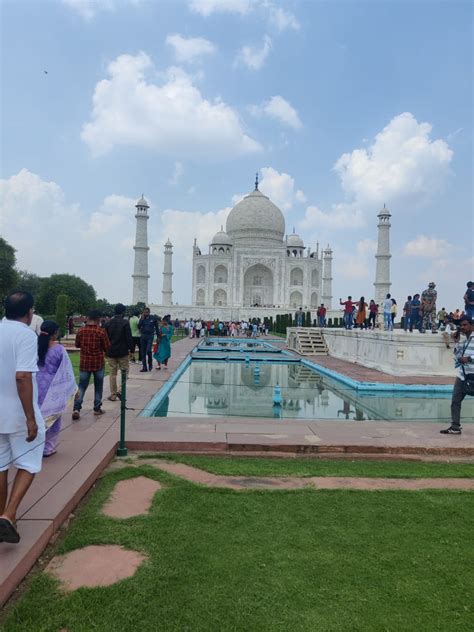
(254, 264)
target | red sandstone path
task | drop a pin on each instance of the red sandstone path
(195, 475)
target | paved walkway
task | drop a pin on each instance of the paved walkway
(88, 445)
(195, 475)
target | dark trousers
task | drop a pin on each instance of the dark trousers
(415, 320)
(146, 344)
(84, 379)
(458, 396)
(137, 343)
(372, 316)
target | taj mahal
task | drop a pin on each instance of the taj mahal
(252, 268)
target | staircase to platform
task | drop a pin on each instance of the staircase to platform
(309, 341)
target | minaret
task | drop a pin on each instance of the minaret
(382, 270)
(167, 292)
(327, 278)
(140, 269)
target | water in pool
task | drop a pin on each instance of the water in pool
(240, 389)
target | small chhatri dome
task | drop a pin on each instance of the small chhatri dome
(294, 240)
(256, 219)
(221, 239)
(168, 243)
(384, 212)
(142, 202)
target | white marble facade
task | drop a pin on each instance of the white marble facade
(252, 264)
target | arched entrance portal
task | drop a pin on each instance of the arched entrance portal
(258, 286)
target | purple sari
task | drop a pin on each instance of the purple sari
(56, 385)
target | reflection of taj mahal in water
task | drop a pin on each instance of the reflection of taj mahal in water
(253, 264)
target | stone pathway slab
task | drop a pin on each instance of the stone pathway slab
(95, 565)
(132, 497)
(195, 475)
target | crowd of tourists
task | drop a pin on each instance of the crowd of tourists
(199, 328)
(419, 312)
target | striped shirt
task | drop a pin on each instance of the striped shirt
(465, 348)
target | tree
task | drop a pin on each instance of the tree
(29, 282)
(105, 308)
(61, 313)
(8, 274)
(82, 296)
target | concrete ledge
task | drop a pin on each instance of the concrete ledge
(393, 352)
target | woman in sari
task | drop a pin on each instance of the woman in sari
(361, 313)
(163, 352)
(56, 382)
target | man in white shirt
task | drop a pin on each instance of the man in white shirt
(464, 363)
(21, 423)
(36, 323)
(387, 313)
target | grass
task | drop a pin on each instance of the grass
(299, 560)
(248, 466)
(74, 357)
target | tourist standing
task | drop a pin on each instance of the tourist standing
(133, 322)
(407, 313)
(148, 327)
(464, 363)
(361, 318)
(393, 311)
(373, 310)
(36, 322)
(321, 313)
(348, 312)
(163, 353)
(93, 342)
(198, 327)
(415, 318)
(441, 316)
(469, 300)
(121, 346)
(21, 423)
(428, 308)
(56, 383)
(387, 313)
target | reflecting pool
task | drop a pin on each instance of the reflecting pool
(247, 389)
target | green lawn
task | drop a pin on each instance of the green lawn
(251, 466)
(74, 357)
(288, 561)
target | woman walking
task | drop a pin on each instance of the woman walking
(361, 318)
(56, 382)
(393, 311)
(163, 353)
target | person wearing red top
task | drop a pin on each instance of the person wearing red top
(348, 312)
(93, 342)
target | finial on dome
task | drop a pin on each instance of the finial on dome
(294, 232)
(256, 181)
(222, 228)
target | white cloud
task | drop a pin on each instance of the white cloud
(208, 7)
(300, 196)
(280, 109)
(402, 161)
(190, 49)
(280, 188)
(282, 19)
(427, 247)
(172, 118)
(254, 57)
(88, 9)
(342, 216)
(178, 171)
(96, 246)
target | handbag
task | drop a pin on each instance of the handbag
(468, 382)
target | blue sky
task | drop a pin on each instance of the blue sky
(341, 106)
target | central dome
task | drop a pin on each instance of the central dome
(256, 219)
